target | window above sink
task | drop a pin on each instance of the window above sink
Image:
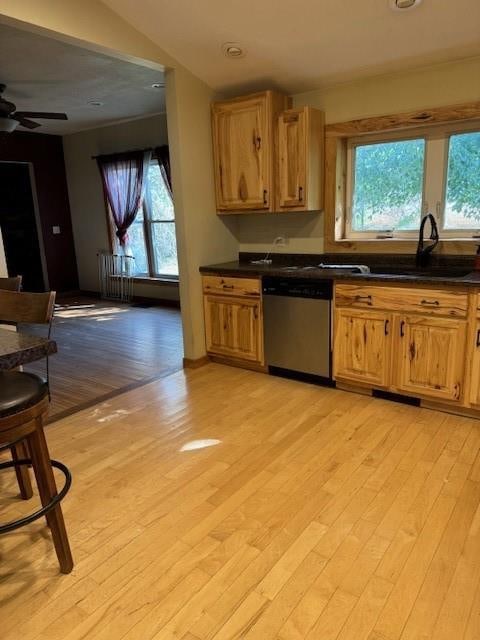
(393, 179)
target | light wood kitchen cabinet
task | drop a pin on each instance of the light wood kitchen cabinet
(475, 368)
(362, 346)
(233, 327)
(243, 145)
(233, 318)
(424, 354)
(299, 160)
(432, 356)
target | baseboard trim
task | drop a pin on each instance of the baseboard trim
(159, 302)
(242, 364)
(195, 363)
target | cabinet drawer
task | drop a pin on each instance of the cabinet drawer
(231, 286)
(436, 302)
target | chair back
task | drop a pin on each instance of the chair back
(25, 307)
(11, 284)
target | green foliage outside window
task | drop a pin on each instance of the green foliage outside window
(388, 185)
(462, 206)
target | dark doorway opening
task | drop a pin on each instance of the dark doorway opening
(18, 223)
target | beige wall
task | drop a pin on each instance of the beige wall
(202, 237)
(86, 194)
(3, 263)
(440, 85)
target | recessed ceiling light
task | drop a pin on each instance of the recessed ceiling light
(404, 5)
(233, 50)
(158, 85)
(95, 103)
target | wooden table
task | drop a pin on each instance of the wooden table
(21, 348)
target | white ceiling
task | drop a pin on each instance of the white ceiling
(42, 74)
(304, 44)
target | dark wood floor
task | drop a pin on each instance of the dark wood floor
(105, 347)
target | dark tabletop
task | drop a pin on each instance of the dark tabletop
(20, 348)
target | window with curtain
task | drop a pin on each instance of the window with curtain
(151, 237)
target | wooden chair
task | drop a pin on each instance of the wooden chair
(11, 284)
(24, 399)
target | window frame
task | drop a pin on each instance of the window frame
(147, 223)
(437, 139)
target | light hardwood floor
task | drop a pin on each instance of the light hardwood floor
(105, 347)
(311, 514)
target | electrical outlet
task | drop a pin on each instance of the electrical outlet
(56, 230)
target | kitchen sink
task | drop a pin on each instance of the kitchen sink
(439, 272)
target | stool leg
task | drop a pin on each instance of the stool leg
(18, 452)
(47, 490)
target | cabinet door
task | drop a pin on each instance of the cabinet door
(292, 159)
(233, 327)
(242, 150)
(362, 349)
(475, 371)
(432, 356)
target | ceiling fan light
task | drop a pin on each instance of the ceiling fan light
(7, 125)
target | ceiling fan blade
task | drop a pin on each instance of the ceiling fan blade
(25, 122)
(47, 115)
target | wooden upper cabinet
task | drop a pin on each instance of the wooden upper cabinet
(432, 356)
(299, 162)
(362, 350)
(243, 146)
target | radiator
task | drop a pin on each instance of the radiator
(115, 273)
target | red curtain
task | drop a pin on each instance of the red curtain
(123, 179)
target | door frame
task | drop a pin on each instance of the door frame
(38, 221)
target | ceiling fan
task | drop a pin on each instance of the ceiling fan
(10, 118)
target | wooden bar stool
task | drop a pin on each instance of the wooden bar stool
(24, 400)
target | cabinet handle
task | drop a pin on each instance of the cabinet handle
(265, 194)
(368, 299)
(228, 286)
(430, 302)
(402, 327)
(478, 338)
(258, 143)
(387, 325)
(300, 193)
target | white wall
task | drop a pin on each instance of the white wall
(439, 85)
(86, 194)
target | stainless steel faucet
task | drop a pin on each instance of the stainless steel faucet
(423, 252)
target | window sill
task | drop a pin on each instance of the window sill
(156, 281)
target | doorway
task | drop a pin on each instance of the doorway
(19, 226)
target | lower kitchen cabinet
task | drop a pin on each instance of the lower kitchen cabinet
(233, 327)
(475, 370)
(362, 349)
(432, 356)
(417, 354)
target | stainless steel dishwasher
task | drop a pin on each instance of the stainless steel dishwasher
(297, 327)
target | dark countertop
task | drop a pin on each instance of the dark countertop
(20, 348)
(244, 268)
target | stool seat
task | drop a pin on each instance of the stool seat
(20, 390)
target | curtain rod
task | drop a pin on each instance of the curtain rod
(119, 153)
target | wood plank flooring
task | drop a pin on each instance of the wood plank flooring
(219, 504)
(104, 347)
